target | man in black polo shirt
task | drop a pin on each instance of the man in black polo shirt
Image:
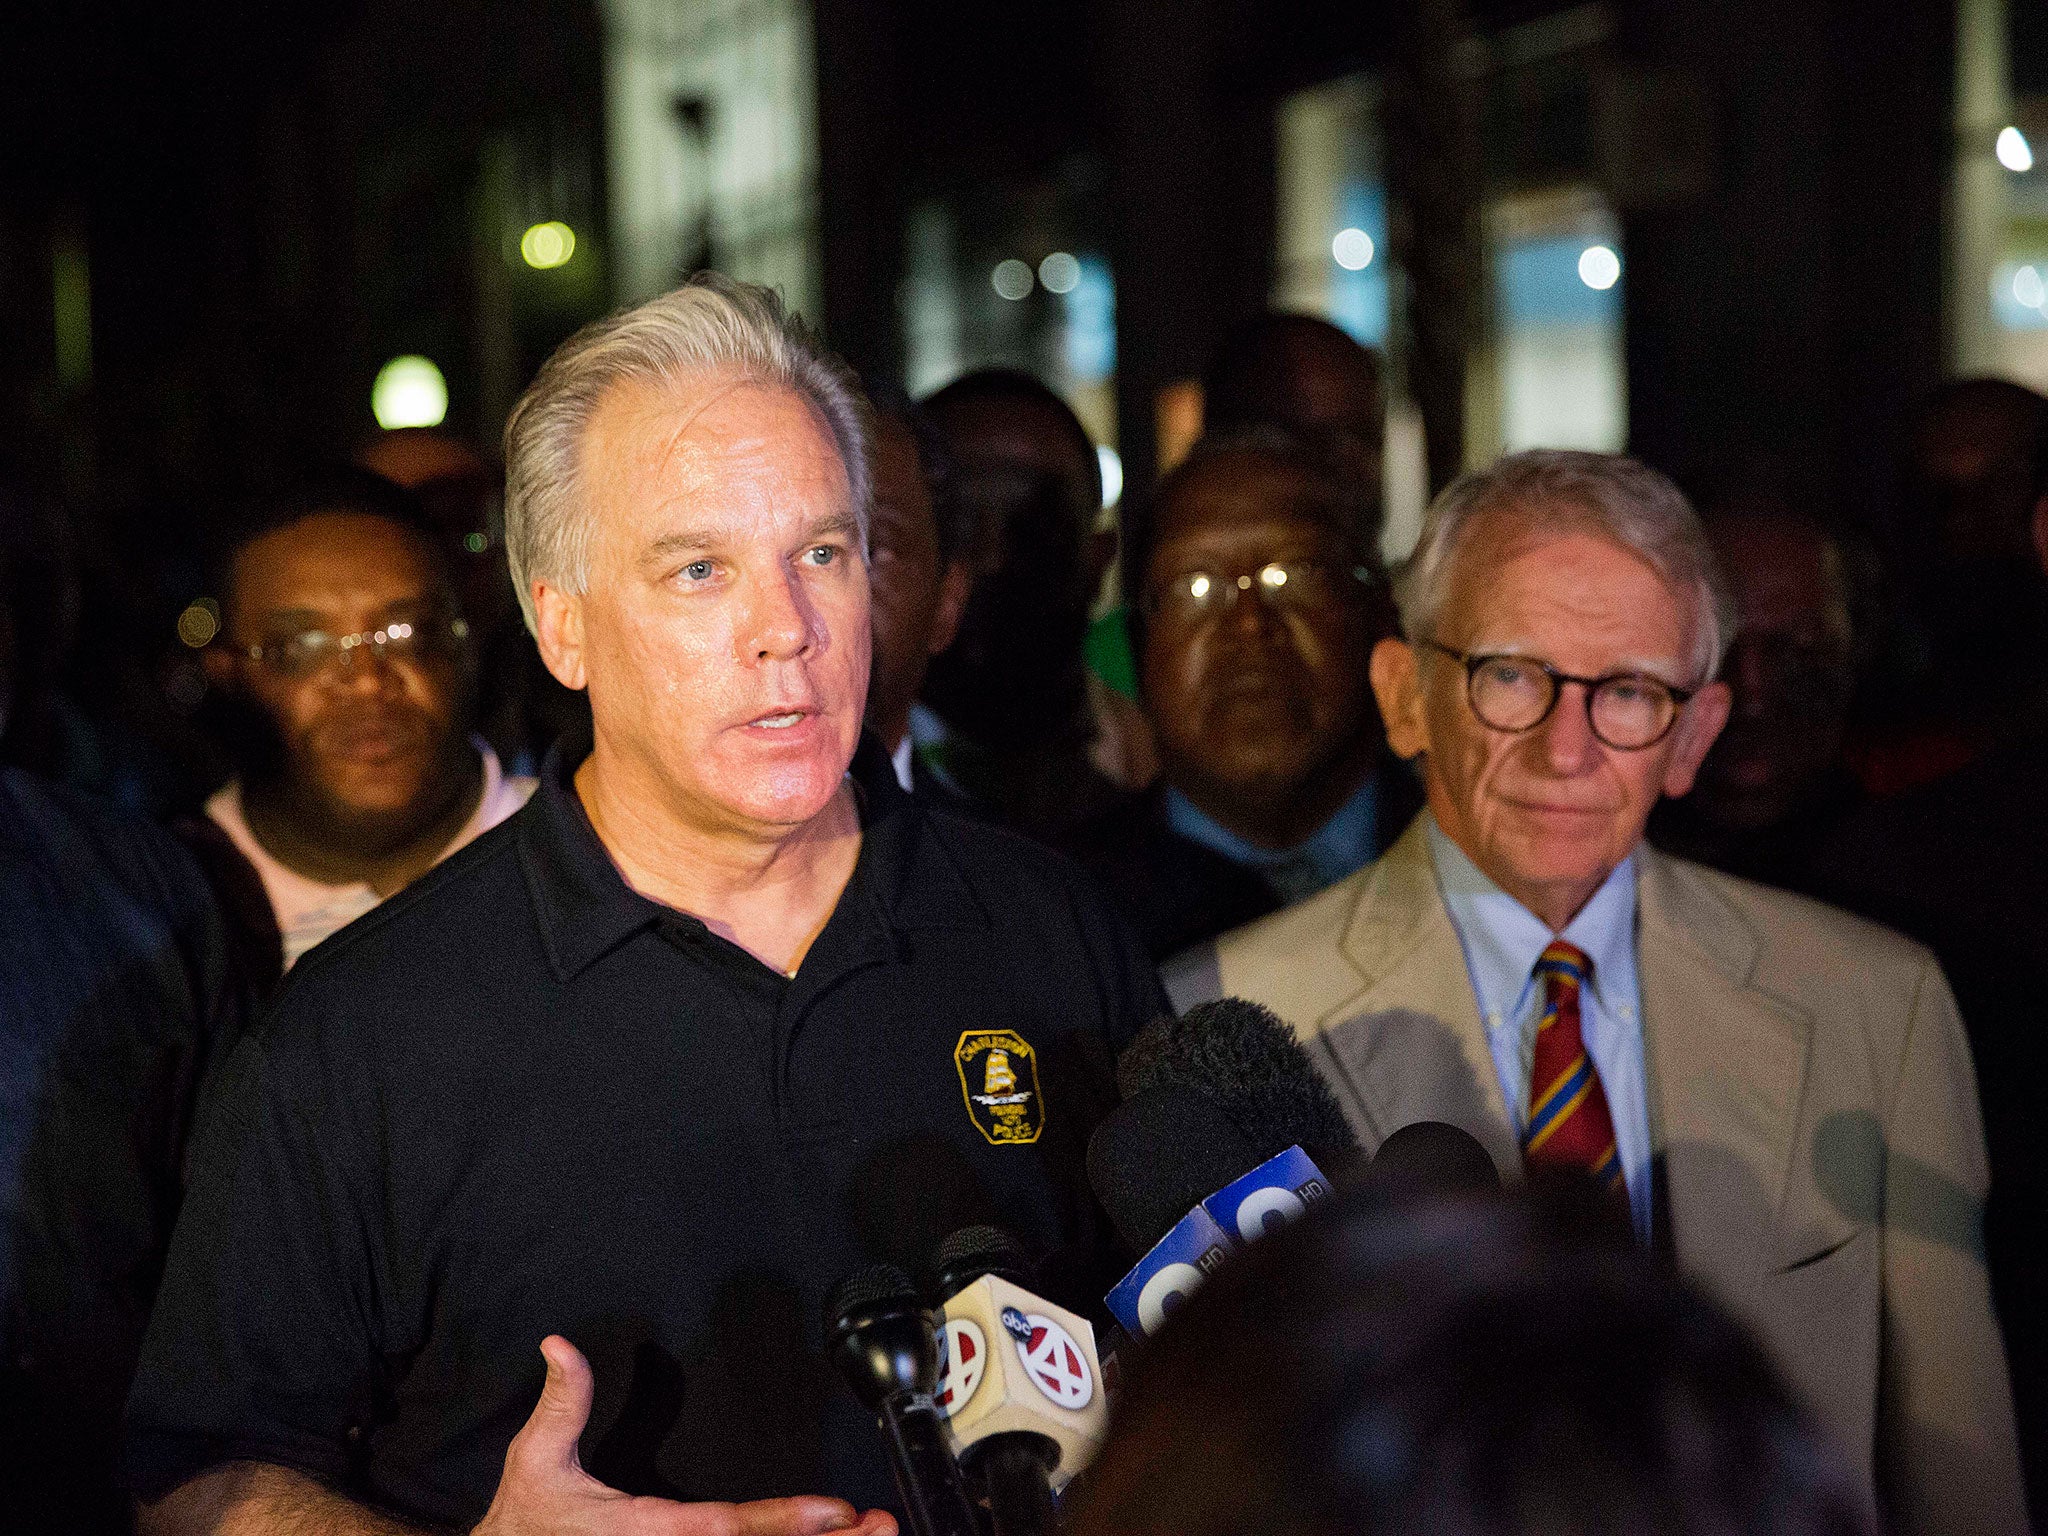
(703, 1029)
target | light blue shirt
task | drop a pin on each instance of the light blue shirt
(1502, 941)
(1341, 846)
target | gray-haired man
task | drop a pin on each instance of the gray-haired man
(1777, 1092)
(637, 1077)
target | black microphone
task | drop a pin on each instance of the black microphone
(882, 1340)
(1160, 1153)
(1430, 1160)
(1250, 1064)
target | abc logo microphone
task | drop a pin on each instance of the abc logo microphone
(1014, 1369)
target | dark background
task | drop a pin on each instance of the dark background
(274, 199)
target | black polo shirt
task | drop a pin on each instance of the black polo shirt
(520, 1098)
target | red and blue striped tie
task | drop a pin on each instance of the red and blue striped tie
(1568, 1129)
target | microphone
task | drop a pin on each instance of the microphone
(1163, 1150)
(1020, 1388)
(1246, 1060)
(1430, 1160)
(1170, 1148)
(1224, 1088)
(881, 1339)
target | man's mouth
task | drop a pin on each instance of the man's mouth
(780, 722)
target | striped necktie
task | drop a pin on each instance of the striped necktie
(1568, 1129)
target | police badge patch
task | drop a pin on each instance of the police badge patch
(999, 1080)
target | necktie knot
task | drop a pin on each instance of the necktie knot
(1564, 963)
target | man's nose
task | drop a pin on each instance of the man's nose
(362, 669)
(780, 623)
(1566, 739)
(1254, 611)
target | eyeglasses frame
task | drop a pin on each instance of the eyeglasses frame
(1151, 604)
(1472, 661)
(454, 629)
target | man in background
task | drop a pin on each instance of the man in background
(1256, 611)
(1307, 376)
(1029, 732)
(116, 1001)
(1967, 670)
(918, 574)
(1773, 786)
(344, 665)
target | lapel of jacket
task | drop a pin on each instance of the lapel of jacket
(1406, 1035)
(1726, 1066)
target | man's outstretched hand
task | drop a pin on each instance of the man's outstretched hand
(544, 1490)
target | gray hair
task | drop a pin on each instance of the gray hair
(711, 326)
(1557, 490)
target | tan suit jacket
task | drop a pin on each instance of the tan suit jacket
(1812, 1105)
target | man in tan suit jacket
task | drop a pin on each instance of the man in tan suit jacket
(1793, 1101)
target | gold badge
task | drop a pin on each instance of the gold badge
(999, 1080)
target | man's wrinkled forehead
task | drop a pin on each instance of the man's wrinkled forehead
(719, 444)
(1497, 536)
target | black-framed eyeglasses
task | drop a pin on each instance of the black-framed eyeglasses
(1628, 711)
(312, 651)
(1192, 596)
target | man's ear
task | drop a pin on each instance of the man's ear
(558, 630)
(1699, 724)
(1397, 685)
(955, 587)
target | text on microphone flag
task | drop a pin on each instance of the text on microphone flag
(1055, 1364)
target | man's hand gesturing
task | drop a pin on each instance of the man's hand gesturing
(544, 1490)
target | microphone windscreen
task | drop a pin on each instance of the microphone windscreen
(1243, 1057)
(1159, 1154)
(975, 1251)
(879, 1285)
(1430, 1160)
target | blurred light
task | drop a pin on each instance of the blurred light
(476, 543)
(1011, 279)
(409, 392)
(200, 622)
(1274, 576)
(1198, 588)
(548, 245)
(1060, 273)
(1352, 249)
(2028, 287)
(1599, 267)
(2014, 152)
(1112, 475)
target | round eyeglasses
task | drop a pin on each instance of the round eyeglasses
(312, 651)
(1628, 711)
(1192, 596)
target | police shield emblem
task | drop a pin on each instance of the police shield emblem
(999, 1079)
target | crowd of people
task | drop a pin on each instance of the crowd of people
(577, 916)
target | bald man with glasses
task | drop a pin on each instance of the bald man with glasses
(342, 677)
(1254, 612)
(1774, 1094)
